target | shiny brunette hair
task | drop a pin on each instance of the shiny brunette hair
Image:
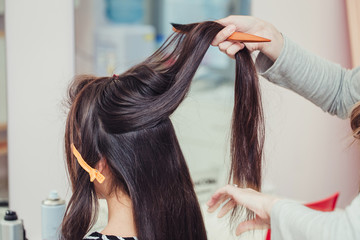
(355, 120)
(125, 120)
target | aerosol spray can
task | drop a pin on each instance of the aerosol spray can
(52, 214)
(11, 227)
(3, 207)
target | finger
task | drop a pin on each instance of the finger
(226, 208)
(218, 202)
(215, 197)
(223, 34)
(222, 21)
(225, 21)
(251, 225)
(223, 194)
(224, 45)
(234, 48)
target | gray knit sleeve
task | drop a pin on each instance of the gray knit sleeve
(324, 83)
(293, 221)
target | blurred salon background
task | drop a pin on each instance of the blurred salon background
(308, 154)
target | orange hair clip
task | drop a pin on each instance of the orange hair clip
(94, 173)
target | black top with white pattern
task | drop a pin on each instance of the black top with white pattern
(99, 236)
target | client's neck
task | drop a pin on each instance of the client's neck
(120, 219)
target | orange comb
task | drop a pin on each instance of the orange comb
(241, 37)
(245, 37)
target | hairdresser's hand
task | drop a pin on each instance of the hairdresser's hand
(249, 25)
(259, 203)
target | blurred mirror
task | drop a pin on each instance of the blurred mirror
(3, 116)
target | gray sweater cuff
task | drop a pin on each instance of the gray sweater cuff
(291, 220)
(322, 82)
(276, 71)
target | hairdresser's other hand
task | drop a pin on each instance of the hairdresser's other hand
(259, 203)
(251, 25)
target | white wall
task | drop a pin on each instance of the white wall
(2, 67)
(307, 151)
(40, 63)
(3, 113)
(84, 37)
(1, 6)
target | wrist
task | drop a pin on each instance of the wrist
(273, 49)
(270, 204)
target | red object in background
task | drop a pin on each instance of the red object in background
(326, 205)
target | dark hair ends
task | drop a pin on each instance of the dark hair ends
(125, 120)
(247, 125)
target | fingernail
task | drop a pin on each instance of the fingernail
(231, 29)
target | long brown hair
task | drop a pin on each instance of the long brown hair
(125, 120)
(355, 120)
(248, 131)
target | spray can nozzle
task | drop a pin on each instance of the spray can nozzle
(53, 195)
(10, 216)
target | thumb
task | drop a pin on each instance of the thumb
(253, 224)
(223, 34)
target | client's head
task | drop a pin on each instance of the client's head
(120, 125)
(139, 157)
